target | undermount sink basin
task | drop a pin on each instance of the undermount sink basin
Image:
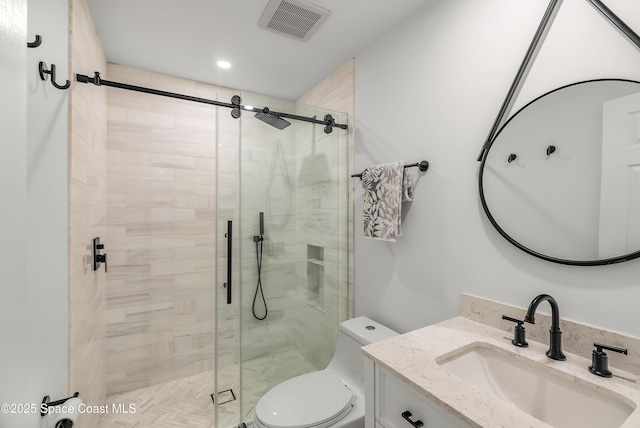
(536, 391)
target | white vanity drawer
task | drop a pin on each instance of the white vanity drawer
(393, 398)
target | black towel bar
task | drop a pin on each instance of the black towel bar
(423, 165)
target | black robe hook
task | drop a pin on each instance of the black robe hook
(43, 70)
(551, 149)
(37, 42)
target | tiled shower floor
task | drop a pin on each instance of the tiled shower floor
(180, 403)
(186, 403)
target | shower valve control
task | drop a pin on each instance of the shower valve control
(97, 257)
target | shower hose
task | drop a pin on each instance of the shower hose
(259, 284)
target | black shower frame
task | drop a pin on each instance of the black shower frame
(328, 121)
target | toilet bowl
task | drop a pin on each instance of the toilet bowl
(333, 397)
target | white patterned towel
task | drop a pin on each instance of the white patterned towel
(385, 187)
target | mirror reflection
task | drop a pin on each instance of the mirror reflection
(561, 179)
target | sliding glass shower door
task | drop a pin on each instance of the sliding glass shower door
(282, 193)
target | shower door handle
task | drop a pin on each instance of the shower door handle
(229, 236)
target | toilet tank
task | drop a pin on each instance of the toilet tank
(348, 360)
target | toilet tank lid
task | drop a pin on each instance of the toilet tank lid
(365, 330)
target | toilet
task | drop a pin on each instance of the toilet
(333, 397)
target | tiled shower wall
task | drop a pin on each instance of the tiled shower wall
(87, 217)
(161, 230)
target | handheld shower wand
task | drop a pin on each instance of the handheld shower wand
(259, 239)
(261, 223)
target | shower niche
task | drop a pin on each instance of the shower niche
(315, 276)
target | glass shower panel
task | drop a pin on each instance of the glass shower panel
(267, 183)
(227, 359)
(289, 284)
(285, 190)
(321, 236)
(161, 227)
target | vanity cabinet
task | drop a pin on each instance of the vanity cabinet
(392, 403)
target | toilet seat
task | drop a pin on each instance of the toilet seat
(318, 399)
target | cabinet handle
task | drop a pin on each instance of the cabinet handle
(407, 416)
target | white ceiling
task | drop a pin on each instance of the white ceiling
(185, 38)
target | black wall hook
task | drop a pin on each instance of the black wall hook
(42, 67)
(37, 42)
(550, 150)
(511, 157)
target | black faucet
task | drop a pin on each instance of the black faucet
(555, 335)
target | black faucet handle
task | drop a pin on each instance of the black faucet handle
(600, 361)
(600, 347)
(519, 333)
(102, 258)
(520, 322)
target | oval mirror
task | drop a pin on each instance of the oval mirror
(561, 179)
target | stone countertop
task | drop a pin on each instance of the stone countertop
(414, 356)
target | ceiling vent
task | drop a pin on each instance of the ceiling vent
(293, 18)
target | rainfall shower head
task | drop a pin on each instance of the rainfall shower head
(273, 120)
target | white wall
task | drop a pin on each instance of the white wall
(431, 89)
(13, 188)
(33, 291)
(47, 230)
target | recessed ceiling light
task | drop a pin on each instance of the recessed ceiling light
(224, 64)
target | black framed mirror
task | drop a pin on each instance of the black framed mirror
(561, 178)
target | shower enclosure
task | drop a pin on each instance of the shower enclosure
(186, 186)
(281, 282)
